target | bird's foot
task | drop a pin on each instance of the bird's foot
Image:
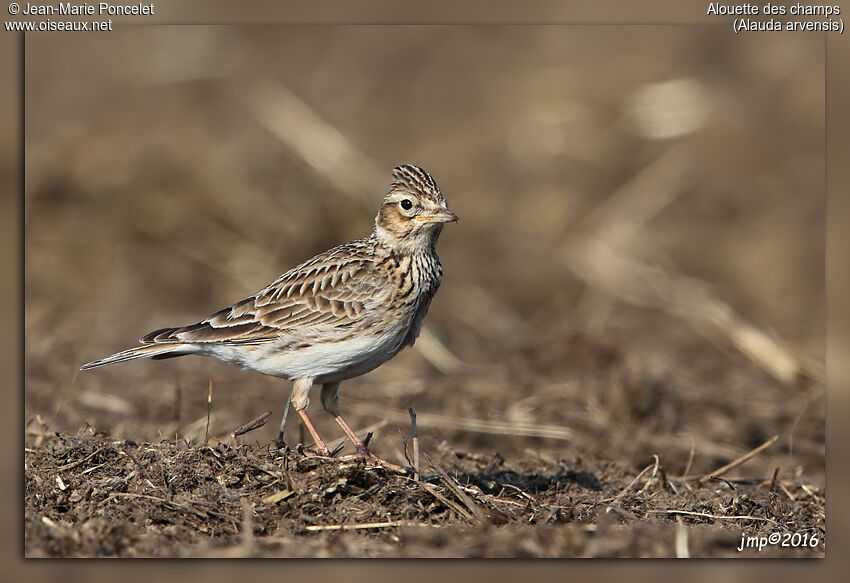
(321, 451)
(371, 459)
(362, 453)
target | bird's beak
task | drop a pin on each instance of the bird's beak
(442, 216)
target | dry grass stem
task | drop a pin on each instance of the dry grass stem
(321, 146)
(448, 503)
(253, 424)
(603, 254)
(209, 413)
(682, 551)
(194, 431)
(717, 516)
(611, 270)
(631, 484)
(79, 462)
(473, 425)
(278, 496)
(247, 543)
(737, 462)
(691, 452)
(368, 525)
(477, 514)
(415, 432)
(436, 353)
(620, 218)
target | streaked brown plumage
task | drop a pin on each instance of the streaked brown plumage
(336, 316)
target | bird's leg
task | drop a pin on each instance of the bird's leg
(320, 443)
(330, 401)
(300, 400)
(285, 414)
(361, 447)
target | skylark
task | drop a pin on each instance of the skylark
(336, 316)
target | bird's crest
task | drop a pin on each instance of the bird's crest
(415, 179)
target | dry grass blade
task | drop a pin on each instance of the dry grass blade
(163, 501)
(609, 269)
(774, 481)
(80, 461)
(603, 254)
(253, 424)
(368, 525)
(415, 431)
(473, 425)
(209, 413)
(635, 203)
(655, 469)
(247, 526)
(682, 551)
(194, 431)
(625, 490)
(477, 514)
(737, 462)
(436, 353)
(448, 502)
(315, 141)
(278, 496)
(717, 516)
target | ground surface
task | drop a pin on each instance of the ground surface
(90, 494)
(633, 297)
(95, 496)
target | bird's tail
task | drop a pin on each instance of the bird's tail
(156, 351)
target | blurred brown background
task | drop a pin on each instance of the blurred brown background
(638, 268)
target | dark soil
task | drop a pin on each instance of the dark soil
(91, 495)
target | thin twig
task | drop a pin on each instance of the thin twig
(78, 462)
(404, 449)
(478, 515)
(447, 502)
(253, 424)
(657, 459)
(787, 493)
(368, 525)
(473, 425)
(209, 412)
(247, 543)
(147, 497)
(690, 457)
(604, 249)
(737, 462)
(192, 431)
(775, 481)
(716, 516)
(632, 483)
(681, 540)
(415, 444)
(283, 418)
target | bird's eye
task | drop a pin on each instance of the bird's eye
(406, 204)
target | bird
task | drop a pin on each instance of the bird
(336, 316)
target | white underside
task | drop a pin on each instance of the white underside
(325, 362)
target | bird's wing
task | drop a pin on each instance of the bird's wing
(334, 289)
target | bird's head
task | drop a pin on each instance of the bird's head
(413, 212)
